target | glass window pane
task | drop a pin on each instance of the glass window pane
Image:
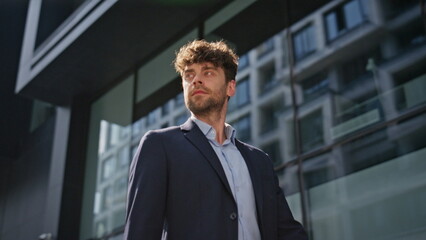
(343, 18)
(181, 118)
(179, 100)
(265, 48)
(370, 188)
(273, 149)
(353, 14)
(345, 91)
(312, 130)
(267, 78)
(107, 161)
(158, 71)
(289, 182)
(124, 157)
(242, 95)
(269, 114)
(243, 92)
(395, 8)
(315, 86)
(304, 42)
(331, 22)
(108, 167)
(243, 128)
(243, 62)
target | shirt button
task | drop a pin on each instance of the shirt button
(233, 216)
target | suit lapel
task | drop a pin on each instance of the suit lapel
(256, 179)
(197, 138)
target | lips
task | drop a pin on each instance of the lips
(198, 91)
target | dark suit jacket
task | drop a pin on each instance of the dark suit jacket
(176, 181)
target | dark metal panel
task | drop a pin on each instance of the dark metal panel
(127, 35)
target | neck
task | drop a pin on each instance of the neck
(217, 121)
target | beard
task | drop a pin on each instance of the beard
(214, 102)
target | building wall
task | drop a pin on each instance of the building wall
(348, 151)
(359, 105)
(24, 187)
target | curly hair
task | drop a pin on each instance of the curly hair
(199, 51)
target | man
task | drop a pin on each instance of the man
(197, 181)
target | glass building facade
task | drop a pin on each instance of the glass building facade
(337, 100)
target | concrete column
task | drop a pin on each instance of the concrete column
(56, 173)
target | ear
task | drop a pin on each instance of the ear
(231, 88)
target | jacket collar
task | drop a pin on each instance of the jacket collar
(193, 133)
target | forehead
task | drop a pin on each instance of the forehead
(203, 65)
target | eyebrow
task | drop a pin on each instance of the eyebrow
(188, 70)
(205, 67)
(209, 68)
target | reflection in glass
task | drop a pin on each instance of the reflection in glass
(304, 42)
(151, 118)
(321, 169)
(179, 100)
(396, 7)
(101, 228)
(353, 14)
(242, 95)
(242, 127)
(289, 183)
(111, 188)
(107, 194)
(267, 78)
(361, 119)
(356, 69)
(343, 18)
(124, 157)
(411, 89)
(270, 114)
(274, 152)
(108, 166)
(107, 161)
(356, 114)
(315, 86)
(312, 130)
(181, 118)
(120, 186)
(265, 48)
(243, 62)
(409, 39)
(378, 196)
(136, 128)
(165, 109)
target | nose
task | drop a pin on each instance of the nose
(197, 80)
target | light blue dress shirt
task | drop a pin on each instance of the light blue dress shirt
(239, 180)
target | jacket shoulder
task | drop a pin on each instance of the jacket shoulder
(163, 131)
(160, 134)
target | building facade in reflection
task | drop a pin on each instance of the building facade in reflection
(338, 103)
(333, 90)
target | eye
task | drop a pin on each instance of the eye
(189, 76)
(209, 73)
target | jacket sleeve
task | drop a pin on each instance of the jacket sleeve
(146, 197)
(288, 228)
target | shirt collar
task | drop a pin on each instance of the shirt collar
(210, 133)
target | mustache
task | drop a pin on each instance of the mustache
(204, 89)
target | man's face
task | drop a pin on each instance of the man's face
(205, 88)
